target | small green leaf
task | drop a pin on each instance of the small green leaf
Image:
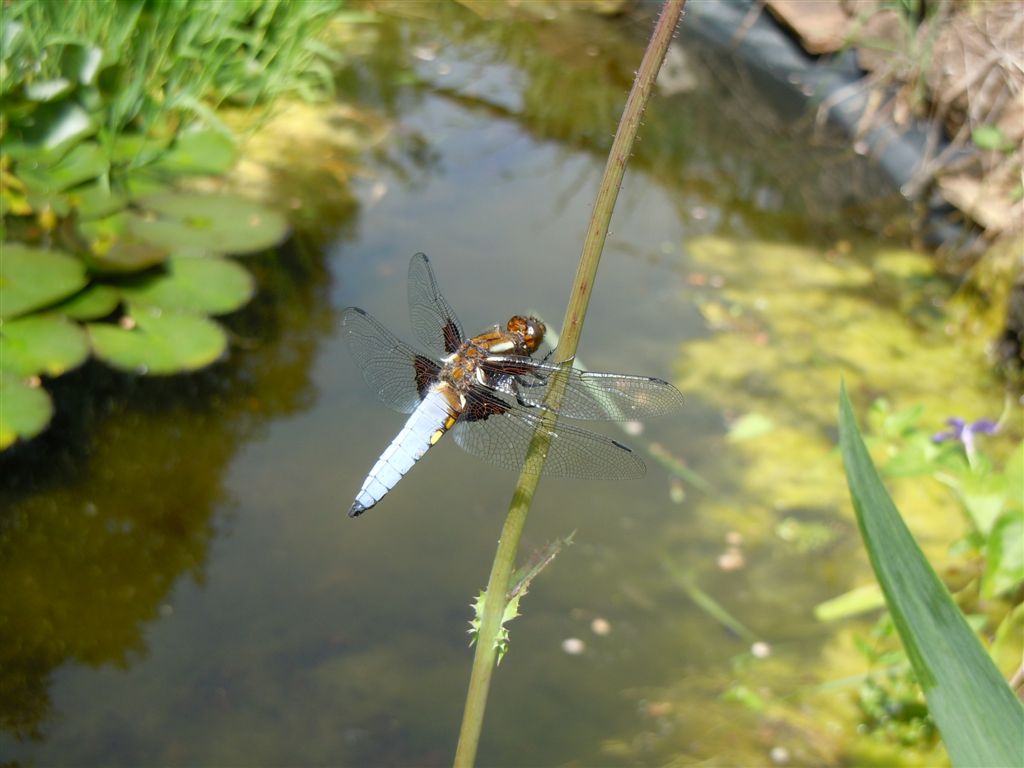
(501, 642)
(914, 458)
(208, 286)
(94, 302)
(214, 222)
(856, 601)
(983, 496)
(24, 410)
(161, 342)
(31, 278)
(749, 426)
(747, 697)
(541, 559)
(41, 345)
(981, 721)
(991, 137)
(902, 423)
(1004, 555)
(1008, 646)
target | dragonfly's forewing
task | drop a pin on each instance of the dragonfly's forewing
(394, 370)
(433, 320)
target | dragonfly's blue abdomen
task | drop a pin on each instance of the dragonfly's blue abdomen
(431, 419)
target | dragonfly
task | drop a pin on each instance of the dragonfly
(490, 393)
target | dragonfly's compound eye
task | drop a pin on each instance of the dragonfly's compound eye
(530, 329)
(534, 334)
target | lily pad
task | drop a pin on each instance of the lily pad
(115, 245)
(86, 161)
(31, 278)
(24, 410)
(94, 302)
(145, 180)
(41, 344)
(208, 286)
(218, 223)
(200, 152)
(161, 342)
(95, 201)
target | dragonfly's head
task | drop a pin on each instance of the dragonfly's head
(530, 329)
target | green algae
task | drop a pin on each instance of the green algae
(787, 323)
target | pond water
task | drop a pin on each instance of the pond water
(181, 583)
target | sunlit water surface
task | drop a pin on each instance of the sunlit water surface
(181, 585)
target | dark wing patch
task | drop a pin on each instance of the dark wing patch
(393, 369)
(480, 405)
(426, 373)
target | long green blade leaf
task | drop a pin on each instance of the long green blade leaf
(981, 721)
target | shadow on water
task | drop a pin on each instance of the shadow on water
(181, 586)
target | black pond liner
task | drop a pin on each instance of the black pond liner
(800, 82)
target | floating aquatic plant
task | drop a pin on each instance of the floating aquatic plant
(102, 251)
(134, 280)
(137, 289)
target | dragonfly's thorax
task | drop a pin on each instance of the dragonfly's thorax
(463, 368)
(466, 366)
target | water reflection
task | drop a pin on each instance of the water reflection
(733, 136)
(117, 502)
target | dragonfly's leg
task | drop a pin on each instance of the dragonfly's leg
(540, 381)
(527, 403)
(515, 387)
(564, 362)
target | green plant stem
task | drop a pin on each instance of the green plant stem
(572, 326)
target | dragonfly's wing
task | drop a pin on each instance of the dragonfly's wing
(499, 431)
(433, 320)
(394, 370)
(589, 396)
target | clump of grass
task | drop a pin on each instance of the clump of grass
(173, 61)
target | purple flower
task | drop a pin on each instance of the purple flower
(963, 432)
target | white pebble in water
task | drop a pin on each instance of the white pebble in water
(600, 627)
(573, 646)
